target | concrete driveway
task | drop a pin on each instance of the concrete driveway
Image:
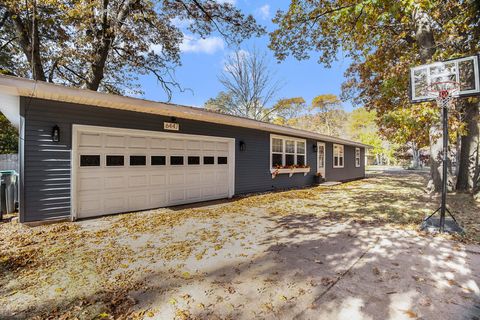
(319, 253)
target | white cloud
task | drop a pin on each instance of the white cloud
(264, 11)
(232, 2)
(198, 45)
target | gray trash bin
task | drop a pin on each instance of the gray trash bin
(9, 191)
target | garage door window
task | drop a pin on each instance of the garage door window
(138, 160)
(222, 160)
(89, 160)
(193, 160)
(208, 160)
(115, 161)
(176, 161)
(158, 160)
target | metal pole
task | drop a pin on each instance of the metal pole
(445, 171)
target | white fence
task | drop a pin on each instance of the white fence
(9, 162)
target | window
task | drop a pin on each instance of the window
(193, 160)
(357, 157)
(286, 151)
(158, 160)
(115, 161)
(138, 160)
(277, 152)
(89, 161)
(222, 160)
(208, 160)
(338, 155)
(176, 160)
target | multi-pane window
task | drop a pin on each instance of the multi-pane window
(277, 152)
(357, 157)
(338, 156)
(287, 151)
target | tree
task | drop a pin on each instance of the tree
(324, 115)
(383, 39)
(8, 136)
(362, 127)
(104, 44)
(330, 114)
(288, 109)
(249, 86)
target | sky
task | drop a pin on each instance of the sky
(203, 60)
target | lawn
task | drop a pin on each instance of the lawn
(349, 251)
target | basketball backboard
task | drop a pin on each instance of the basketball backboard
(464, 71)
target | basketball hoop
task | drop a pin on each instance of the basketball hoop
(444, 92)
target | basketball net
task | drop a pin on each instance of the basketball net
(445, 93)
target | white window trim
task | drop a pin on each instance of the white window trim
(358, 157)
(342, 148)
(284, 138)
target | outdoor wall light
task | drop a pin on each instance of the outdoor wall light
(243, 146)
(315, 148)
(55, 134)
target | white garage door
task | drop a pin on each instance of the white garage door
(121, 170)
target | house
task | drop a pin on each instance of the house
(85, 153)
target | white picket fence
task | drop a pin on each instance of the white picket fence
(9, 162)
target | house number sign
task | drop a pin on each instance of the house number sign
(173, 126)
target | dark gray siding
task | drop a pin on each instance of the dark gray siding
(349, 171)
(47, 164)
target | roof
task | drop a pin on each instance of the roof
(43, 90)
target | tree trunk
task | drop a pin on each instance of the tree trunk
(415, 156)
(469, 167)
(426, 44)
(31, 51)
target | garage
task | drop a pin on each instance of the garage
(121, 170)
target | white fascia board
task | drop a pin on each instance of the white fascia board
(10, 105)
(48, 91)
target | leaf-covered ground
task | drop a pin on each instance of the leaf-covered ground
(349, 251)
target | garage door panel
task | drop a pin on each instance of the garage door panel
(209, 177)
(113, 203)
(138, 181)
(222, 146)
(114, 141)
(103, 189)
(156, 143)
(137, 201)
(194, 145)
(114, 182)
(89, 184)
(194, 178)
(176, 196)
(209, 146)
(221, 177)
(194, 194)
(158, 179)
(90, 205)
(176, 178)
(221, 192)
(137, 142)
(89, 140)
(209, 192)
(177, 144)
(158, 199)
